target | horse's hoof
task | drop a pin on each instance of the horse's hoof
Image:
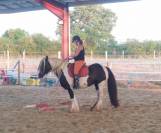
(99, 110)
(91, 109)
(116, 105)
(74, 110)
(96, 109)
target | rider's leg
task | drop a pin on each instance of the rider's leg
(77, 66)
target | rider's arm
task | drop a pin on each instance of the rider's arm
(77, 51)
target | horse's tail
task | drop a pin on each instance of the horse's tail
(112, 88)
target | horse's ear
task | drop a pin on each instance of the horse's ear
(46, 58)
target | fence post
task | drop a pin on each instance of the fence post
(106, 55)
(24, 55)
(159, 54)
(91, 54)
(154, 54)
(8, 59)
(19, 72)
(4, 54)
(59, 54)
(123, 54)
(23, 59)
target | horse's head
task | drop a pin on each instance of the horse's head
(44, 67)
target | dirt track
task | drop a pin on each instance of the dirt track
(140, 112)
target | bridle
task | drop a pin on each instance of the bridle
(57, 68)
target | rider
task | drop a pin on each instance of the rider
(79, 58)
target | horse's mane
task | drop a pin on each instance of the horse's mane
(58, 65)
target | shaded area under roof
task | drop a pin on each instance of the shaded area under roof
(12, 6)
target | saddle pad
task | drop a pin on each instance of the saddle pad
(83, 72)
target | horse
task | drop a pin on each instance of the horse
(97, 75)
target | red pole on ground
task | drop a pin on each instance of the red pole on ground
(63, 14)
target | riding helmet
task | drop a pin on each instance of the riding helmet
(76, 38)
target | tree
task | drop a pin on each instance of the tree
(43, 44)
(134, 47)
(149, 46)
(15, 39)
(93, 23)
(16, 36)
(4, 43)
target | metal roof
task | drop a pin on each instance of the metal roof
(12, 6)
(88, 2)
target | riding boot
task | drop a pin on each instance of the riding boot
(76, 82)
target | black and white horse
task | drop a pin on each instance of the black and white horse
(98, 75)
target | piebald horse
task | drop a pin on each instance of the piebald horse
(98, 75)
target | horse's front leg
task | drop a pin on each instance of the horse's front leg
(74, 107)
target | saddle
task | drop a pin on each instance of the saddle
(83, 71)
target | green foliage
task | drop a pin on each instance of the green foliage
(4, 43)
(17, 40)
(93, 23)
(16, 36)
(134, 47)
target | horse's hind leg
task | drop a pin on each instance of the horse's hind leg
(98, 103)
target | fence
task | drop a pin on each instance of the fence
(125, 68)
(22, 70)
(6, 75)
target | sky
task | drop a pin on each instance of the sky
(139, 20)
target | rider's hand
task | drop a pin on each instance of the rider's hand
(69, 58)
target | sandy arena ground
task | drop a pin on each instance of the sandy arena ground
(140, 111)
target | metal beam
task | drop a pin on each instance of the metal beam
(62, 14)
(54, 9)
(91, 2)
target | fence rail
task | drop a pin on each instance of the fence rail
(127, 69)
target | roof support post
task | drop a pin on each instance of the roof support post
(65, 34)
(63, 14)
